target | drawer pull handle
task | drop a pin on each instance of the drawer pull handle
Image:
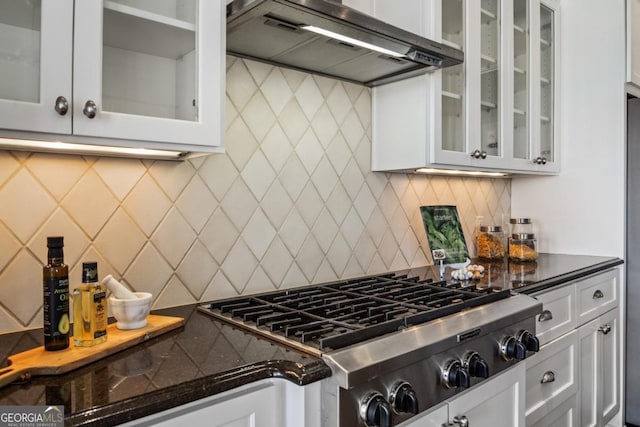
(461, 421)
(605, 329)
(598, 294)
(548, 377)
(545, 315)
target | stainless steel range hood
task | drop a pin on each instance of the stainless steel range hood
(324, 37)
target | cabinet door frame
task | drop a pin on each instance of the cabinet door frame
(56, 42)
(511, 382)
(598, 364)
(87, 84)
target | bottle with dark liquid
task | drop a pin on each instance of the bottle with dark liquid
(56, 297)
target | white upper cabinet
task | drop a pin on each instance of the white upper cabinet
(633, 42)
(146, 71)
(35, 64)
(494, 112)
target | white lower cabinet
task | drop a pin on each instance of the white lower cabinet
(575, 378)
(268, 403)
(563, 416)
(499, 402)
(551, 377)
(599, 367)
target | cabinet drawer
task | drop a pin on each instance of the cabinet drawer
(596, 295)
(551, 377)
(563, 416)
(558, 315)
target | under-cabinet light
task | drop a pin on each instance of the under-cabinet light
(75, 148)
(351, 40)
(432, 171)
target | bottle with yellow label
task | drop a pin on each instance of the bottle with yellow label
(89, 308)
(56, 297)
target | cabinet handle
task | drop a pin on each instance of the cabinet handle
(62, 105)
(540, 160)
(544, 316)
(598, 294)
(461, 421)
(90, 109)
(548, 377)
(605, 329)
(477, 154)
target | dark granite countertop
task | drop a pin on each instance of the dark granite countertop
(202, 358)
(208, 356)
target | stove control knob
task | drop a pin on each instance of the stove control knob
(455, 376)
(375, 411)
(530, 341)
(476, 365)
(403, 398)
(511, 348)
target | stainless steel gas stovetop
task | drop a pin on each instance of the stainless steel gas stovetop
(397, 345)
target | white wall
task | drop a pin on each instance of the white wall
(581, 211)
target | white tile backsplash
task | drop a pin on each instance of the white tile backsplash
(292, 201)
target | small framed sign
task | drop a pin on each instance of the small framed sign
(445, 235)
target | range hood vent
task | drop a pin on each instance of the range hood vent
(324, 37)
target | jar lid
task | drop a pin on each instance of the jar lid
(490, 228)
(523, 236)
(520, 220)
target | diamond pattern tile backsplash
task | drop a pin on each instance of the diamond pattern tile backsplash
(292, 202)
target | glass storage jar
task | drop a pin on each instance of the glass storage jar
(490, 242)
(522, 247)
(521, 225)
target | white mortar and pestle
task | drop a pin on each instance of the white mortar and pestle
(129, 308)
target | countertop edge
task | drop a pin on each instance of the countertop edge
(190, 391)
(570, 276)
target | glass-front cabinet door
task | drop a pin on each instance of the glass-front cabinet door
(521, 81)
(450, 114)
(547, 153)
(144, 74)
(35, 65)
(490, 79)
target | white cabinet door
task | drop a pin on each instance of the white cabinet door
(497, 403)
(149, 74)
(35, 64)
(599, 370)
(258, 405)
(633, 41)
(436, 417)
(552, 377)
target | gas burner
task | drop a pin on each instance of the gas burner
(336, 315)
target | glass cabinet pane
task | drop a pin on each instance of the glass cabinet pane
(453, 78)
(20, 28)
(149, 62)
(547, 46)
(521, 145)
(490, 79)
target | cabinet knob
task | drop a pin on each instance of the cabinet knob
(62, 105)
(605, 329)
(461, 421)
(90, 109)
(476, 154)
(545, 315)
(483, 154)
(598, 294)
(548, 377)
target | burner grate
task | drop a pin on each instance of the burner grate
(335, 315)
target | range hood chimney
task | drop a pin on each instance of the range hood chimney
(327, 38)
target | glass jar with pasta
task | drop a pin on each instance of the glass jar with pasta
(490, 242)
(522, 247)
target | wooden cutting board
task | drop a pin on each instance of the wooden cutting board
(37, 361)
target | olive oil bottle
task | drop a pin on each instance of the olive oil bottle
(56, 297)
(89, 308)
